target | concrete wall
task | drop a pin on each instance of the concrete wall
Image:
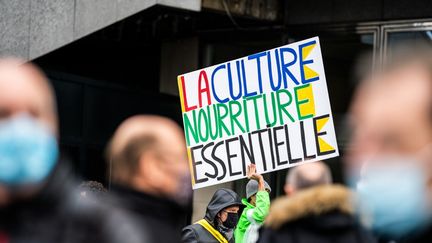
(202, 198)
(32, 28)
(340, 11)
(261, 9)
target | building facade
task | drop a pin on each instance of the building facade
(110, 59)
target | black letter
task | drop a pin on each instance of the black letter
(219, 160)
(304, 143)
(259, 132)
(271, 146)
(229, 156)
(317, 134)
(249, 152)
(195, 163)
(277, 144)
(209, 161)
(290, 159)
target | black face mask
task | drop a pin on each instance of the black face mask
(231, 221)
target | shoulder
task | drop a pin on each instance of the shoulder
(195, 228)
(263, 194)
(314, 201)
(190, 233)
(102, 221)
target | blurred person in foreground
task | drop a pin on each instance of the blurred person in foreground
(150, 174)
(219, 222)
(38, 198)
(257, 206)
(390, 156)
(314, 210)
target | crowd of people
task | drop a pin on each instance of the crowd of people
(388, 197)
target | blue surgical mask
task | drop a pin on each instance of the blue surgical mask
(392, 197)
(28, 151)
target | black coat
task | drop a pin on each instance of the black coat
(222, 198)
(57, 214)
(424, 236)
(319, 214)
(421, 236)
(162, 218)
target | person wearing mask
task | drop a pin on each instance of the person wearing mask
(150, 174)
(220, 220)
(38, 197)
(257, 204)
(390, 155)
(314, 210)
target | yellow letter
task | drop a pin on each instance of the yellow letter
(305, 101)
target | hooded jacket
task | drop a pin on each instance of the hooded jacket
(319, 214)
(196, 233)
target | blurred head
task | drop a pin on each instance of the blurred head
(391, 114)
(91, 188)
(305, 176)
(28, 129)
(391, 144)
(25, 89)
(148, 153)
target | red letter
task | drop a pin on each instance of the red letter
(186, 108)
(203, 76)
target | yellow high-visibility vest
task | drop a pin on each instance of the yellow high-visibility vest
(218, 236)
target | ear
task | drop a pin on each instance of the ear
(218, 217)
(288, 189)
(148, 167)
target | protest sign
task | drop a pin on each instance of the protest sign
(270, 108)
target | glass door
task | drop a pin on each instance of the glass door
(415, 32)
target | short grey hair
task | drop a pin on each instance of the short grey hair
(309, 175)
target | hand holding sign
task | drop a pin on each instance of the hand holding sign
(252, 175)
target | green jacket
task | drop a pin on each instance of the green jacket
(257, 214)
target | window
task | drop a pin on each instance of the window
(416, 32)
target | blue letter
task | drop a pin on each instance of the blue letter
(279, 83)
(246, 94)
(230, 81)
(286, 65)
(213, 86)
(257, 57)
